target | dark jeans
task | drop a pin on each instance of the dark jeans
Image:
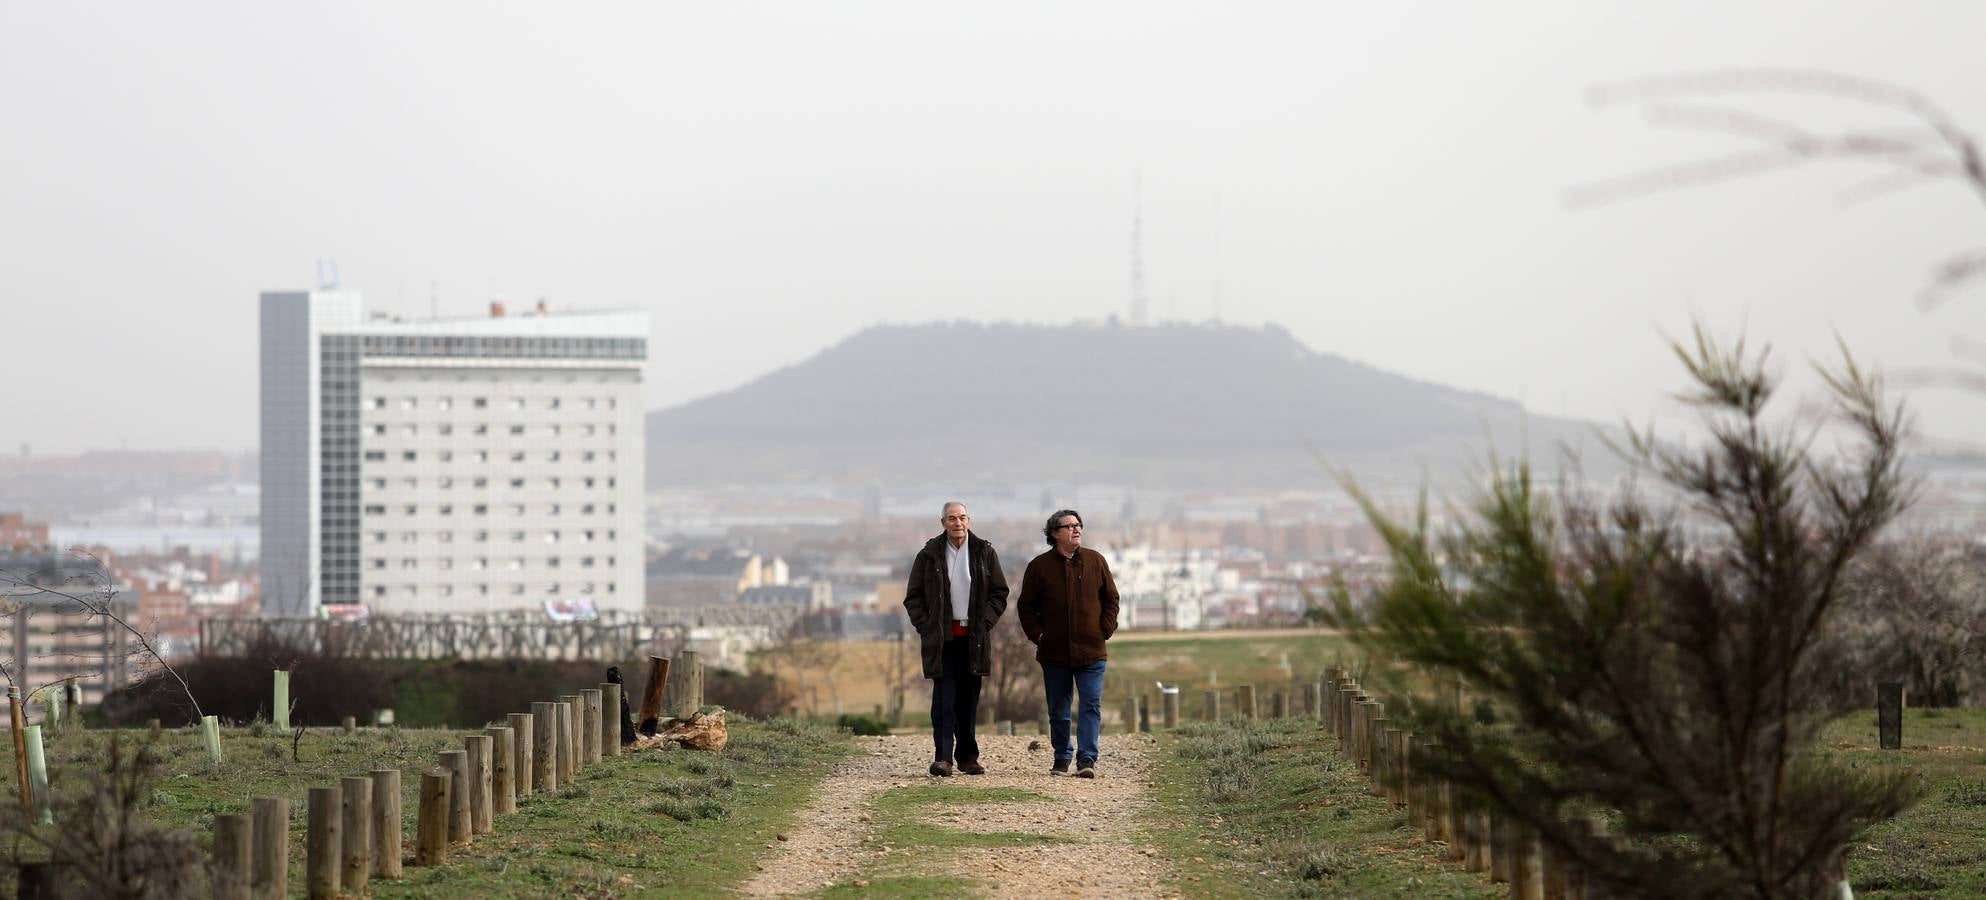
(955, 705)
(1086, 682)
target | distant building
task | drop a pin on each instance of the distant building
(17, 533)
(452, 465)
(49, 636)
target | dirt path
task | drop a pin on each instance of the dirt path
(1096, 848)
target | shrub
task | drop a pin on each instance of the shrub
(867, 726)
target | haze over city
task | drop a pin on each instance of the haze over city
(1389, 183)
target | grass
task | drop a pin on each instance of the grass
(650, 824)
(1270, 810)
(1937, 848)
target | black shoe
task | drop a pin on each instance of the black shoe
(1061, 767)
(942, 768)
(1086, 769)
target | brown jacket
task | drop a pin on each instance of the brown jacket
(1068, 607)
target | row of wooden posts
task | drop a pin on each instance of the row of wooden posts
(354, 829)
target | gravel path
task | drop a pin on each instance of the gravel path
(1101, 854)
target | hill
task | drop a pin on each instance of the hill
(1184, 405)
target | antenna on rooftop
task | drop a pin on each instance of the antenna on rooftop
(1138, 303)
(327, 283)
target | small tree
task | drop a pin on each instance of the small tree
(1915, 612)
(1667, 667)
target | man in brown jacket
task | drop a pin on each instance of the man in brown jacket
(1068, 607)
(955, 596)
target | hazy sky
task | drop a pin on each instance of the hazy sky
(1387, 180)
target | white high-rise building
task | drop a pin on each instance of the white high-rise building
(452, 465)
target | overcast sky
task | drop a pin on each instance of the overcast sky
(1386, 180)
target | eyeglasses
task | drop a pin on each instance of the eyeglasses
(1073, 526)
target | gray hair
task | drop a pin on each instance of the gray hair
(948, 508)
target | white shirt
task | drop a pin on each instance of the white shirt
(958, 567)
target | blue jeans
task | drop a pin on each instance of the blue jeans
(1087, 681)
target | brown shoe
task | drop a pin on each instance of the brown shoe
(942, 768)
(972, 768)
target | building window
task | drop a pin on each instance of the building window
(516, 403)
(411, 509)
(481, 456)
(447, 456)
(516, 456)
(407, 403)
(450, 482)
(379, 591)
(444, 403)
(589, 402)
(376, 403)
(586, 457)
(482, 537)
(483, 590)
(446, 537)
(552, 456)
(480, 563)
(409, 564)
(376, 509)
(479, 482)
(517, 535)
(480, 429)
(379, 537)
(481, 509)
(445, 430)
(376, 563)
(552, 536)
(378, 431)
(447, 509)
(586, 562)
(589, 482)
(517, 482)
(409, 483)
(407, 456)
(516, 563)
(444, 563)
(586, 537)
(480, 403)
(517, 589)
(408, 431)
(379, 484)
(408, 537)
(586, 509)
(516, 429)
(446, 590)
(551, 562)
(375, 456)
(517, 509)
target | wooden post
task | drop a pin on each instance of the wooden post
(1244, 702)
(1393, 784)
(351, 725)
(503, 770)
(1476, 846)
(610, 719)
(482, 808)
(152, 726)
(522, 764)
(231, 861)
(1527, 870)
(434, 817)
(1278, 705)
(387, 832)
(1211, 706)
(692, 699)
(1449, 822)
(1889, 715)
(20, 744)
(1145, 713)
(44, 812)
(591, 705)
(461, 826)
(1503, 850)
(271, 875)
(279, 704)
(651, 695)
(322, 844)
(544, 747)
(1131, 715)
(1327, 706)
(1169, 703)
(568, 754)
(356, 833)
(72, 697)
(1310, 700)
